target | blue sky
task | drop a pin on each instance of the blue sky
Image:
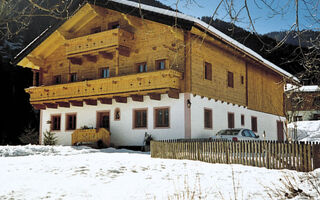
(263, 17)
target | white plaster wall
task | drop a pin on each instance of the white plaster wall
(266, 122)
(122, 132)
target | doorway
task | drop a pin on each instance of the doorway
(280, 131)
(103, 120)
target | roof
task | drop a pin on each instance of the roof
(305, 88)
(162, 16)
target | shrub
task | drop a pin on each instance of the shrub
(49, 138)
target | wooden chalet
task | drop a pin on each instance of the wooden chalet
(134, 69)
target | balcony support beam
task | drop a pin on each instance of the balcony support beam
(172, 93)
(105, 101)
(63, 104)
(75, 60)
(76, 103)
(91, 58)
(51, 105)
(39, 106)
(136, 97)
(120, 99)
(91, 102)
(124, 51)
(106, 55)
(155, 96)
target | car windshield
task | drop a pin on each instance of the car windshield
(228, 132)
(248, 133)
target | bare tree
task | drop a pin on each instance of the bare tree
(15, 15)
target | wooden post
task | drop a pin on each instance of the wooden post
(309, 157)
(316, 156)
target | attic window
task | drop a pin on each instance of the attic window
(230, 79)
(96, 30)
(114, 25)
(207, 71)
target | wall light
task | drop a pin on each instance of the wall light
(188, 103)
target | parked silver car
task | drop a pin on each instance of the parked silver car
(237, 134)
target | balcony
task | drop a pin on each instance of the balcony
(99, 42)
(85, 136)
(135, 85)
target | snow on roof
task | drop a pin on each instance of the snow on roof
(208, 27)
(305, 88)
(309, 88)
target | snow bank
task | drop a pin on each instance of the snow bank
(28, 150)
(306, 130)
(125, 175)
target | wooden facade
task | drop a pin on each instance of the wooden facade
(100, 54)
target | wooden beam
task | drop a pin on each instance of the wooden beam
(76, 103)
(106, 55)
(105, 100)
(63, 104)
(39, 106)
(75, 60)
(155, 96)
(120, 99)
(91, 58)
(173, 94)
(124, 51)
(136, 97)
(51, 105)
(91, 102)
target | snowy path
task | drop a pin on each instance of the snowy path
(68, 173)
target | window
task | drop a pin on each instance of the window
(117, 114)
(71, 121)
(207, 118)
(140, 118)
(141, 67)
(113, 25)
(161, 117)
(207, 71)
(104, 72)
(73, 77)
(242, 80)
(55, 122)
(230, 120)
(254, 125)
(230, 79)
(242, 120)
(57, 79)
(160, 64)
(96, 30)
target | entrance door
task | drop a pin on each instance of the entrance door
(103, 120)
(280, 131)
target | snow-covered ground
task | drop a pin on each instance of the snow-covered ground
(44, 172)
(306, 130)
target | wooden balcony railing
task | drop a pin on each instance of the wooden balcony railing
(99, 41)
(116, 86)
(91, 136)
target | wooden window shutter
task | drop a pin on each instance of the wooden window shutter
(230, 79)
(207, 71)
(230, 120)
(254, 124)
